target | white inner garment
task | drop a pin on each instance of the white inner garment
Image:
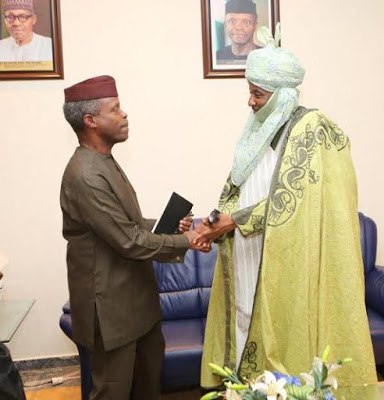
(247, 250)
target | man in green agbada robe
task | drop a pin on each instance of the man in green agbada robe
(289, 275)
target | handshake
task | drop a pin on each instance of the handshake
(201, 237)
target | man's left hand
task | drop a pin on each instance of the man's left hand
(185, 224)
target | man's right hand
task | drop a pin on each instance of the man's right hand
(204, 246)
(210, 232)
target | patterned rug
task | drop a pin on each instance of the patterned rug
(45, 378)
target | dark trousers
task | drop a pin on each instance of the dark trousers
(130, 372)
(11, 386)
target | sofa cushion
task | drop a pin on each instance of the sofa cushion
(185, 287)
(66, 323)
(374, 289)
(376, 327)
(184, 344)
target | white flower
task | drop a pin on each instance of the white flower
(309, 379)
(267, 384)
(317, 368)
(232, 395)
(332, 368)
(331, 380)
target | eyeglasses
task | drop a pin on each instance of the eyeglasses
(11, 18)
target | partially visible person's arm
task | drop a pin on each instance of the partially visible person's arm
(11, 385)
(249, 221)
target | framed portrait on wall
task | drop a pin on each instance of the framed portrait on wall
(229, 33)
(30, 40)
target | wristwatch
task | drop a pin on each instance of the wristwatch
(213, 216)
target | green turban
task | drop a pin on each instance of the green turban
(276, 70)
(273, 67)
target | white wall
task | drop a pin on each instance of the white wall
(182, 127)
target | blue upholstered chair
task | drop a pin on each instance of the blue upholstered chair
(184, 295)
(85, 375)
(374, 286)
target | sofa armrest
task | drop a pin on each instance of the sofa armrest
(67, 308)
(374, 289)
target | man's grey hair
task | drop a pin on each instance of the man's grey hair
(75, 111)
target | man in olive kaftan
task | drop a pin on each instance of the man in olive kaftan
(289, 276)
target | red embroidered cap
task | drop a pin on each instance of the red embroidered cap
(93, 88)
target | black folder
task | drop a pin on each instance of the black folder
(176, 209)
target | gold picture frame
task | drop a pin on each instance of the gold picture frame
(41, 61)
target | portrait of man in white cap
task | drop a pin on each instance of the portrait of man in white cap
(23, 44)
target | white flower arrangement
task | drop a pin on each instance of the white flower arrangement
(319, 383)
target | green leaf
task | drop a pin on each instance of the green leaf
(324, 373)
(210, 396)
(218, 370)
(250, 395)
(318, 378)
(236, 386)
(230, 372)
(325, 355)
(298, 392)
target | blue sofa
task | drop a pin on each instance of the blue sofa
(374, 286)
(184, 295)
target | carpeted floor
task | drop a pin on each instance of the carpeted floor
(73, 393)
(38, 385)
